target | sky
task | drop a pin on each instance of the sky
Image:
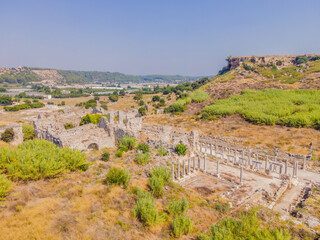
(186, 37)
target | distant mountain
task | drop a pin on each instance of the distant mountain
(24, 75)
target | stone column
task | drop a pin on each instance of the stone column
(304, 163)
(194, 163)
(199, 167)
(178, 172)
(210, 149)
(241, 175)
(184, 168)
(266, 163)
(188, 166)
(249, 157)
(200, 147)
(294, 169)
(218, 174)
(172, 171)
(204, 164)
(286, 168)
(243, 161)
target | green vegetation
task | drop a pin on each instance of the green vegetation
(28, 132)
(142, 111)
(292, 108)
(118, 176)
(23, 77)
(40, 159)
(301, 59)
(156, 98)
(113, 98)
(92, 103)
(127, 143)
(247, 226)
(144, 147)
(162, 151)
(5, 186)
(178, 207)
(160, 177)
(181, 149)
(7, 135)
(68, 126)
(24, 106)
(91, 118)
(181, 225)
(142, 158)
(119, 153)
(145, 209)
(5, 100)
(105, 156)
(199, 96)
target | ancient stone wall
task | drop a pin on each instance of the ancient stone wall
(18, 134)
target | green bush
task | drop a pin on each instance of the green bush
(156, 98)
(145, 210)
(68, 126)
(119, 153)
(144, 147)
(221, 207)
(113, 98)
(181, 149)
(104, 106)
(7, 135)
(178, 207)
(247, 226)
(5, 186)
(199, 96)
(142, 158)
(162, 151)
(141, 103)
(160, 177)
(142, 111)
(40, 159)
(181, 225)
(91, 118)
(127, 143)
(301, 59)
(105, 156)
(118, 176)
(24, 106)
(5, 100)
(92, 103)
(28, 132)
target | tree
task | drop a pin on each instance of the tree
(156, 98)
(141, 103)
(5, 100)
(138, 96)
(113, 98)
(142, 111)
(122, 92)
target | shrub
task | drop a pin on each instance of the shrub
(159, 178)
(138, 96)
(145, 210)
(301, 59)
(315, 58)
(199, 96)
(279, 63)
(113, 98)
(142, 158)
(63, 103)
(118, 176)
(247, 67)
(141, 103)
(144, 147)
(156, 98)
(181, 225)
(68, 126)
(7, 135)
(92, 103)
(105, 156)
(28, 132)
(5, 100)
(5, 186)
(24, 106)
(91, 118)
(40, 159)
(247, 226)
(178, 207)
(119, 153)
(127, 143)
(142, 111)
(221, 207)
(104, 106)
(181, 149)
(162, 102)
(162, 151)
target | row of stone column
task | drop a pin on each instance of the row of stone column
(186, 167)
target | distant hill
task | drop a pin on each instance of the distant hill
(24, 75)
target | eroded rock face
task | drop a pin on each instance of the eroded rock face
(86, 137)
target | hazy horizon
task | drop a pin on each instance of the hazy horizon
(153, 37)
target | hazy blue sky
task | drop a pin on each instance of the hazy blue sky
(153, 36)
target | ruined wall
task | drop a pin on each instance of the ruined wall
(109, 130)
